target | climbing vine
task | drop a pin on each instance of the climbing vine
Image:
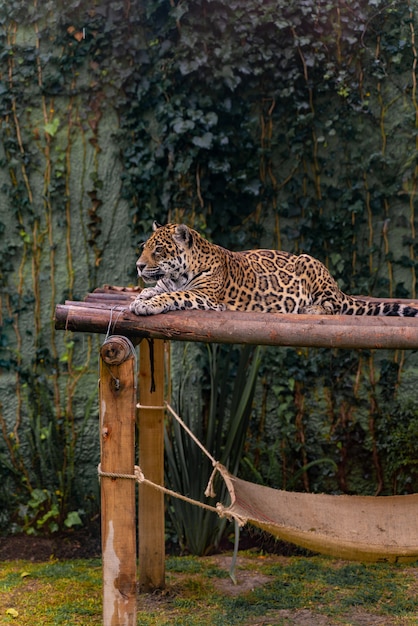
(288, 124)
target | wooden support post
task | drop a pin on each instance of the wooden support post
(117, 436)
(151, 537)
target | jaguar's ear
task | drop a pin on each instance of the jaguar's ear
(156, 226)
(183, 236)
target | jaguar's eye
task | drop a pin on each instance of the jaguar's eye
(159, 250)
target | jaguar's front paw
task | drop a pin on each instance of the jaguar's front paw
(140, 306)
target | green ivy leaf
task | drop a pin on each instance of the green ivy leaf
(205, 141)
(72, 519)
(51, 128)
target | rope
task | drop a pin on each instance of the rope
(131, 347)
(189, 432)
(209, 491)
(139, 477)
(148, 407)
(115, 307)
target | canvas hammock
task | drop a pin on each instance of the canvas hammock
(359, 528)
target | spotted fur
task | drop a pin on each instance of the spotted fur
(192, 273)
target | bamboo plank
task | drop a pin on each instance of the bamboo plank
(117, 401)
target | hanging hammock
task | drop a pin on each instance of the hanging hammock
(359, 528)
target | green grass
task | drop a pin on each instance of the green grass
(278, 590)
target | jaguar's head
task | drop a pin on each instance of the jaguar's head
(165, 253)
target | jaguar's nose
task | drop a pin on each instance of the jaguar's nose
(140, 267)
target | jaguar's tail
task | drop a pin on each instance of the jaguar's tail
(356, 306)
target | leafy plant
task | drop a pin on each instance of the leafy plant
(221, 424)
(397, 440)
(48, 491)
(42, 513)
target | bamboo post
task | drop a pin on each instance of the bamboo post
(117, 437)
(151, 539)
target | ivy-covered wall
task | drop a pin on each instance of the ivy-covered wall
(266, 123)
(64, 229)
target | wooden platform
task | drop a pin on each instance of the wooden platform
(106, 311)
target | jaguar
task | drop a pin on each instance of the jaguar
(190, 272)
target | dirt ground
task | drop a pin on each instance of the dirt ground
(79, 545)
(86, 544)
